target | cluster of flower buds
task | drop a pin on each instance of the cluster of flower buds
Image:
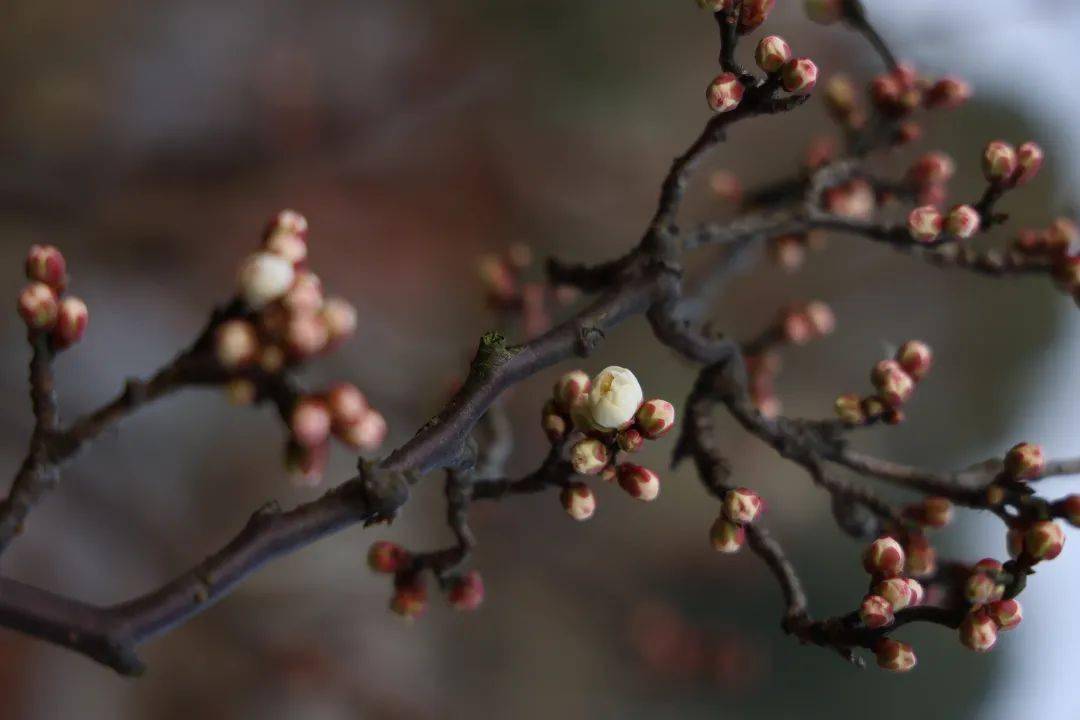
(797, 325)
(463, 592)
(341, 412)
(895, 381)
(1006, 166)
(931, 512)
(890, 592)
(804, 323)
(1059, 245)
(902, 91)
(926, 223)
(42, 304)
(789, 251)
(752, 13)
(507, 291)
(761, 371)
(740, 507)
(990, 612)
(606, 415)
(797, 75)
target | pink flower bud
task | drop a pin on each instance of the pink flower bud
(1006, 614)
(884, 558)
(936, 512)
(589, 456)
(578, 501)
(347, 404)
(305, 295)
(630, 440)
(742, 506)
(935, 168)
(917, 592)
(980, 589)
(288, 246)
(894, 386)
(821, 318)
(825, 12)
(46, 264)
(236, 344)
(39, 306)
(978, 632)
(894, 656)
(1025, 461)
(1029, 158)
(554, 427)
(963, 222)
(572, 388)
(921, 557)
(287, 221)
(263, 278)
(366, 434)
(947, 93)
(726, 536)
(1044, 540)
(772, 52)
(999, 162)
(1070, 507)
(339, 317)
(306, 335)
(896, 591)
(753, 14)
(925, 224)
(875, 612)
(915, 358)
(409, 600)
(388, 557)
(655, 417)
(467, 592)
(639, 482)
(310, 422)
(71, 319)
(796, 327)
(799, 75)
(724, 93)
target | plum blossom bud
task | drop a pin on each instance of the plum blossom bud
(263, 278)
(1025, 461)
(875, 612)
(305, 295)
(884, 557)
(999, 161)
(554, 426)
(409, 599)
(387, 557)
(1029, 158)
(614, 398)
(978, 632)
(1006, 614)
(753, 14)
(849, 410)
(310, 422)
(821, 317)
(639, 482)
(1014, 542)
(467, 592)
(306, 335)
(726, 536)
(366, 434)
(947, 93)
(46, 264)
(589, 456)
(925, 223)
(825, 12)
(347, 404)
(288, 246)
(980, 589)
(1044, 540)
(288, 221)
(963, 221)
(894, 656)
(936, 512)
(578, 500)
(1070, 508)
(573, 387)
(39, 306)
(655, 417)
(241, 392)
(71, 319)
(772, 52)
(724, 93)
(339, 316)
(840, 97)
(915, 358)
(894, 386)
(921, 557)
(933, 168)
(873, 407)
(796, 327)
(799, 75)
(742, 506)
(896, 591)
(235, 344)
(917, 592)
(630, 440)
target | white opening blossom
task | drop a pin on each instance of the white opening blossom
(614, 398)
(265, 277)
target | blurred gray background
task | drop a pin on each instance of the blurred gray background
(151, 140)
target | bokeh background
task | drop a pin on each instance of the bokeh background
(151, 140)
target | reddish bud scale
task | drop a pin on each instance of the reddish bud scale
(1025, 461)
(71, 320)
(772, 52)
(894, 656)
(388, 557)
(875, 612)
(978, 632)
(578, 501)
(630, 440)
(467, 592)
(46, 264)
(799, 75)
(639, 482)
(724, 93)
(884, 558)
